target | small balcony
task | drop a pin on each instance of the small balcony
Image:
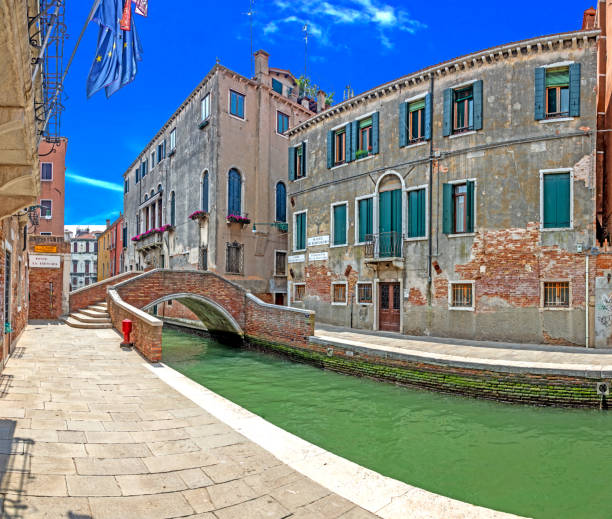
(385, 247)
(153, 241)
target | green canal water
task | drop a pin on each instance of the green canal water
(535, 462)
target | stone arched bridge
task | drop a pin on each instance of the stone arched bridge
(224, 308)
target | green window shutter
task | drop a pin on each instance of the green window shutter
(470, 206)
(557, 200)
(365, 218)
(416, 213)
(384, 211)
(303, 159)
(477, 93)
(396, 204)
(540, 93)
(447, 204)
(448, 112)
(574, 90)
(428, 117)
(349, 152)
(403, 124)
(354, 139)
(291, 163)
(330, 149)
(277, 86)
(300, 231)
(340, 224)
(375, 132)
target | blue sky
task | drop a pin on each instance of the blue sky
(358, 42)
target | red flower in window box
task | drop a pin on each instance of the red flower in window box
(235, 218)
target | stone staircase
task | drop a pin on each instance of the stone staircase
(93, 317)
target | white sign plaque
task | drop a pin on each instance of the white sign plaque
(298, 258)
(318, 240)
(44, 261)
(317, 256)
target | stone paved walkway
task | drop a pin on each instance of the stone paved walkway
(86, 431)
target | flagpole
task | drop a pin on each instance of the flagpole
(61, 83)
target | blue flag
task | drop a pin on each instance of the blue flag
(117, 51)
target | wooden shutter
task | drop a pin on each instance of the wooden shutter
(448, 112)
(403, 124)
(396, 208)
(340, 224)
(330, 149)
(477, 94)
(557, 200)
(365, 218)
(354, 139)
(574, 90)
(205, 192)
(173, 209)
(428, 117)
(447, 208)
(416, 213)
(349, 152)
(300, 231)
(292, 162)
(303, 162)
(384, 211)
(281, 202)
(375, 132)
(469, 217)
(540, 93)
(234, 194)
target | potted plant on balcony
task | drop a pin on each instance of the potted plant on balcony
(236, 218)
(198, 215)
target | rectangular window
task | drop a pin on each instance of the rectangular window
(173, 139)
(339, 293)
(300, 170)
(416, 121)
(300, 231)
(233, 264)
(282, 122)
(236, 104)
(416, 213)
(205, 107)
(557, 92)
(463, 109)
(126, 186)
(299, 290)
(460, 208)
(461, 295)
(74, 265)
(45, 234)
(339, 223)
(365, 138)
(277, 86)
(46, 171)
(556, 200)
(152, 159)
(137, 175)
(280, 265)
(556, 294)
(45, 209)
(364, 293)
(340, 146)
(365, 214)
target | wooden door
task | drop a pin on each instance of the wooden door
(389, 307)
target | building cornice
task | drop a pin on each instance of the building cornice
(469, 61)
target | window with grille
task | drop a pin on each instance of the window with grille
(280, 268)
(204, 258)
(556, 294)
(233, 263)
(298, 292)
(364, 293)
(339, 293)
(461, 295)
(45, 208)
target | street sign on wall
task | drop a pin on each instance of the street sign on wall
(44, 261)
(45, 248)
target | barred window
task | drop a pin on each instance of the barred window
(233, 263)
(364, 293)
(461, 295)
(339, 293)
(556, 294)
(281, 264)
(203, 258)
(298, 292)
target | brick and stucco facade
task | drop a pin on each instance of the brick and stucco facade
(52, 157)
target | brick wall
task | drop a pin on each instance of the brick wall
(47, 285)
(175, 310)
(91, 294)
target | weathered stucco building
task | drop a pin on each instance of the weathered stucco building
(209, 190)
(455, 201)
(111, 249)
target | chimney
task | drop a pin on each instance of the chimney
(261, 65)
(321, 101)
(107, 224)
(588, 19)
(306, 103)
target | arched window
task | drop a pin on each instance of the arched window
(146, 197)
(205, 191)
(281, 202)
(152, 193)
(172, 209)
(159, 188)
(234, 193)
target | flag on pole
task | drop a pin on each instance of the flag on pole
(126, 19)
(117, 52)
(142, 7)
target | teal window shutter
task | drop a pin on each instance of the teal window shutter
(448, 112)
(340, 224)
(354, 139)
(416, 213)
(375, 132)
(403, 124)
(396, 201)
(384, 211)
(477, 95)
(330, 149)
(292, 163)
(470, 206)
(428, 117)
(574, 90)
(277, 86)
(556, 200)
(349, 152)
(303, 166)
(365, 218)
(300, 231)
(540, 93)
(447, 209)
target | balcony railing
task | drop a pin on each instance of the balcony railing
(383, 245)
(152, 241)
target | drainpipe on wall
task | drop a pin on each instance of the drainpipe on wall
(430, 195)
(587, 302)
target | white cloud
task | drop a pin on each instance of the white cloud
(94, 182)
